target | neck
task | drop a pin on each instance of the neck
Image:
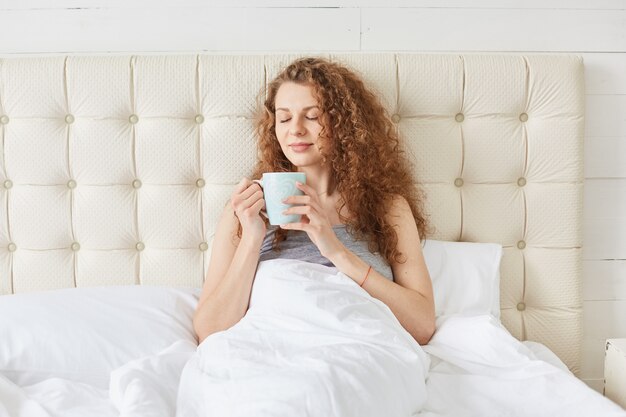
(317, 177)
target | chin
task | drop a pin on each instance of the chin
(305, 162)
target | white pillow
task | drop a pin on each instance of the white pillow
(465, 277)
(82, 334)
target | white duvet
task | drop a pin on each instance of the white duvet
(313, 343)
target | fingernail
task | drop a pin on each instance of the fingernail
(298, 183)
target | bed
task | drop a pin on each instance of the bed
(114, 170)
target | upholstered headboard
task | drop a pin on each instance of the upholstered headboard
(114, 169)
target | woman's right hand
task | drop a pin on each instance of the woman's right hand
(247, 202)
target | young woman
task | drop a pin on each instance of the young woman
(361, 210)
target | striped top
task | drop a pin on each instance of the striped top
(299, 246)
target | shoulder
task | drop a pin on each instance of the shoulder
(400, 215)
(398, 207)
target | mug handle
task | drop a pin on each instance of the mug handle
(262, 212)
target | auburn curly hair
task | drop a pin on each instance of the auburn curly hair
(368, 167)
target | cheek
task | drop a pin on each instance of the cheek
(280, 130)
(280, 135)
(318, 132)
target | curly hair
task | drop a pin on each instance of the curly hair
(361, 146)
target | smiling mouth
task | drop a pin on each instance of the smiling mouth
(300, 147)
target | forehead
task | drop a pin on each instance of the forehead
(293, 97)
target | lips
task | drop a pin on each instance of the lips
(300, 146)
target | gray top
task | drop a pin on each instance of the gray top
(299, 246)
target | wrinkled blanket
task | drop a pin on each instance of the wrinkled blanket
(313, 343)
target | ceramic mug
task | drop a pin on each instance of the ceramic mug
(276, 187)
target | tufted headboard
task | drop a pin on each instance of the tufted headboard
(114, 169)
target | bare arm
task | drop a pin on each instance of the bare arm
(226, 292)
(410, 296)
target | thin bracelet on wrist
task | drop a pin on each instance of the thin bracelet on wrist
(367, 274)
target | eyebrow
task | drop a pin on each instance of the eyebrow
(306, 108)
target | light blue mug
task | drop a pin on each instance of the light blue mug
(276, 187)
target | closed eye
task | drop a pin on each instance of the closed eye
(309, 118)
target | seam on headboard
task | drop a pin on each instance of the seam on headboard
(10, 239)
(4, 168)
(525, 110)
(67, 101)
(132, 83)
(525, 139)
(522, 315)
(460, 238)
(525, 174)
(133, 111)
(461, 110)
(1, 85)
(527, 83)
(200, 165)
(67, 131)
(68, 128)
(462, 137)
(12, 278)
(197, 85)
(134, 158)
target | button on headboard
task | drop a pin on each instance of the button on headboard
(114, 169)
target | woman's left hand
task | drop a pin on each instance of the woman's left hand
(314, 221)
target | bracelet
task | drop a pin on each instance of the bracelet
(366, 275)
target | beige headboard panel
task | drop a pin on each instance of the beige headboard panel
(114, 169)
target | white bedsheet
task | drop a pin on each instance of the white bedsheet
(314, 343)
(479, 369)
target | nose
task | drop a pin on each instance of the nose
(297, 127)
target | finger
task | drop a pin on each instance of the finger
(307, 210)
(298, 199)
(258, 206)
(305, 200)
(253, 198)
(295, 226)
(252, 210)
(241, 185)
(252, 188)
(307, 189)
(240, 204)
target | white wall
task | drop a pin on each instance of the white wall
(595, 29)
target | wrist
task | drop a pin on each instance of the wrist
(348, 263)
(351, 265)
(251, 243)
(339, 256)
